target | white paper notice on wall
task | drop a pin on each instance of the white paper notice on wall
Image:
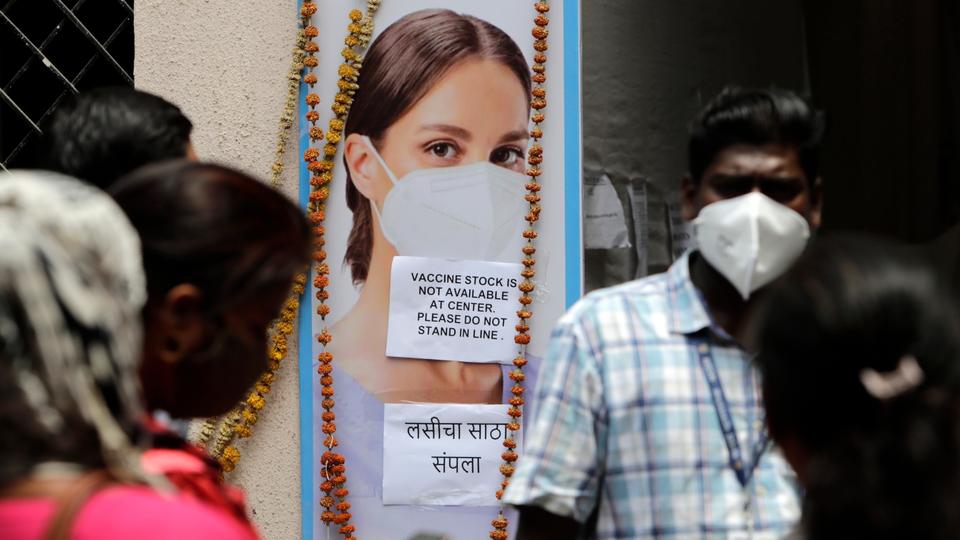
(443, 309)
(443, 454)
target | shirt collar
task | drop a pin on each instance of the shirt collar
(688, 309)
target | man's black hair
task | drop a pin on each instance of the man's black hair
(105, 133)
(755, 117)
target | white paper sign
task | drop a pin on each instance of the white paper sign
(443, 454)
(443, 309)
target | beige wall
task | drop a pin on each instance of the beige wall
(224, 63)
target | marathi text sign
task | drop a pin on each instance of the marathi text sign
(442, 454)
(444, 309)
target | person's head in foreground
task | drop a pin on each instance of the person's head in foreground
(753, 184)
(102, 134)
(220, 252)
(71, 291)
(859, 350)
(443, 100)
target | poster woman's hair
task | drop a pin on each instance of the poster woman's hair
(402, 65)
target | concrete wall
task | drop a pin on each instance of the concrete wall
(225, 64)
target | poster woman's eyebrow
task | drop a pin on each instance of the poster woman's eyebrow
(515, 135)
(455, 131)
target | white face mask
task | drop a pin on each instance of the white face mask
(472, 212)
(750, 239)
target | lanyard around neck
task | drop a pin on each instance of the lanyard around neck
(743, 469)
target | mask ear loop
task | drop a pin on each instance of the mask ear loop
(393, 180)
(883, 386)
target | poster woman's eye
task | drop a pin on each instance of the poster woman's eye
(507, 156)
(442, 150)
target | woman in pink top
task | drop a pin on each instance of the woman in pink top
(71, 292)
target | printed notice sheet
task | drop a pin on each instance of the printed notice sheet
(442, 309)
(443, 454)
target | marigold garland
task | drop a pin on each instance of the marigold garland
(240, 420)
(522, 338)
(319, 161)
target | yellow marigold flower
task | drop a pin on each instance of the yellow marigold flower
(249, 417)
(243, 431)
(256, 401)
(355, 15)
(262, 388)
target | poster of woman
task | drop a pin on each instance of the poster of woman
(432, 175)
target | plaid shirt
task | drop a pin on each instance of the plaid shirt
(626, 423)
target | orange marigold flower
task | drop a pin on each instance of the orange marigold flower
(517, 375)
(327, 403)
(539, 92)
(311, 47)
(326, 501)
(536, 133)
(327, 517)
(313, 116)
(348, 529)
(520, 361)
(507, 470)
(517, 390)
(315, 166)
(326, 380)
(522, 328)
(538, 103)
(330, 441)
(528, 273)
(514, 412)
(538, 117)
(308, 8)
(324, 337)
(526, 286)
(311, 31)
(499, 535)
(324, 294)
(339, 480)
(528, 261)
(516, 401)
(510, 443)
(327, 391)
(317, 217)
(324, 369)
(509, 456)
(328, 427)
(524, 314)
(311, 154)
(338, 469)
(316, 134)
(311, 61)
(540, 32)
(513, 426)
(343, 507)
(500, 522)
(541, 20)
(540, 58)
(323, 310)
(342, 518)
(540, 45)
(325, 357)
(526, 299)
(321, 281)
(341, 493)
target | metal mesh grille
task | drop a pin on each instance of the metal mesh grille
(50, 49)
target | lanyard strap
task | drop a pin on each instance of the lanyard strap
(742, 468)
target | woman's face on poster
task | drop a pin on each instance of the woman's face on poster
(477, 111)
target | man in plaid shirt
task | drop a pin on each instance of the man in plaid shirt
(649, 423)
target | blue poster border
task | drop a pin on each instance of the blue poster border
(573, 244)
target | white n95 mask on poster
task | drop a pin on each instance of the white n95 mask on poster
(751, 240)
(471, 212)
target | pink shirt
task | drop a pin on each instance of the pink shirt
(124, 512)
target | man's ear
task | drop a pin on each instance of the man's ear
(362, 164)
(816, 198)
(688, 199)
(181, 325)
